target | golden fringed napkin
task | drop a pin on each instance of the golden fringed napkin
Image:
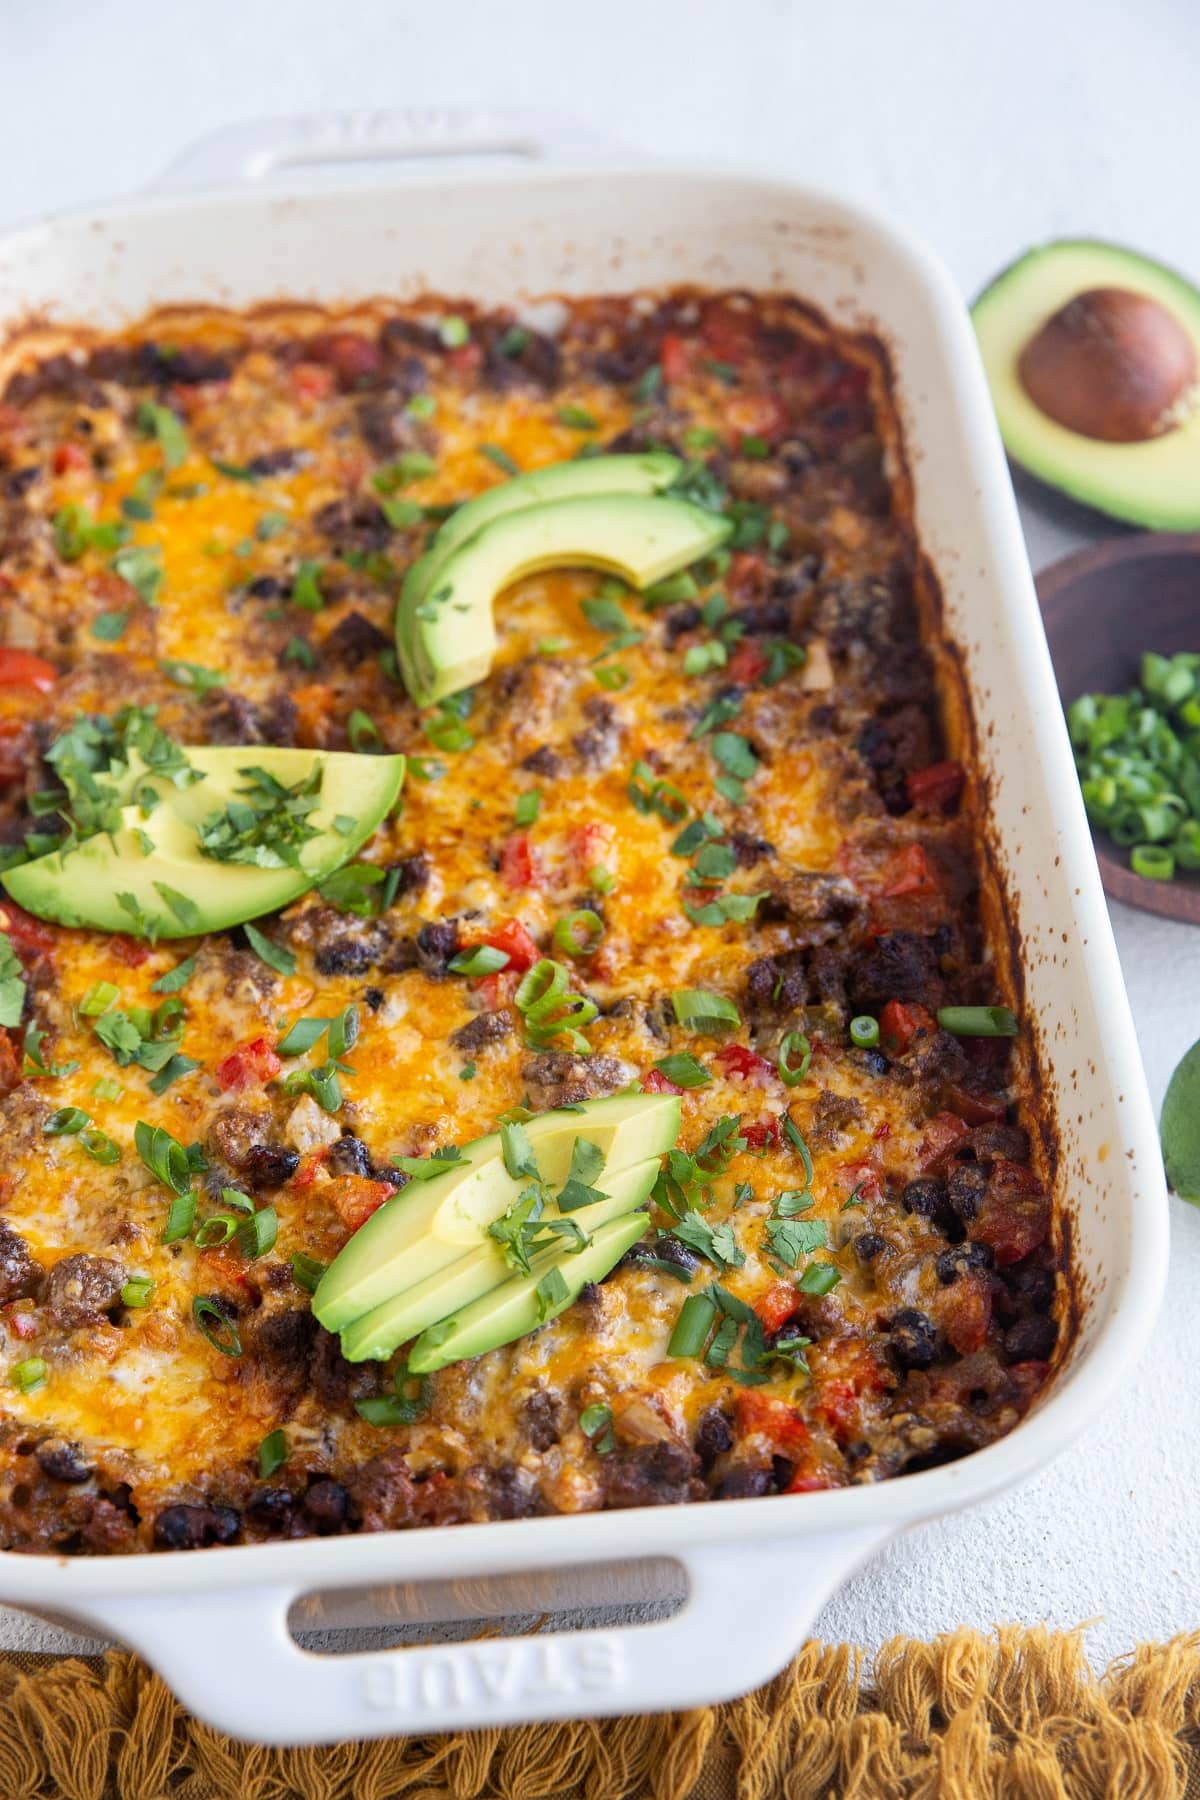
(966, 1717)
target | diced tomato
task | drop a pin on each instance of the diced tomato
(590, 844)
(1014, 1217)
(676, 358)
(20, 668)
(465, 359)
(739, 1063)
(516, 943)
(746, 665)
(776, 1305)
(944, 1132)
(496, 990)
(655, 1082)
(355, 1197)
(747, 577)
(128, 950)
(761, 1134)
(861, 1175)
(966, 1312)
(519, 865)
(69, 456)
(908, 872)
(728, 334)
(837, 1405)
(976, 1109)
(932, 789)
(310, 1164)
(809, 1481)
(882, 1131)
(21, 1320)
(899, 1023)
(29, 936)
(312, 381)
(759, 1415)
(352, 357)
(250, 1065)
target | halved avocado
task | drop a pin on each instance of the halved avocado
(1093, 356)
(515, 1307)
(154, 863)
(445, 634)
(380, 1331)
(432, 1224)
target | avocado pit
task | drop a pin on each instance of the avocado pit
(1110, 364)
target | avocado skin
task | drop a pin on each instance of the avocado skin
(511, 1310)
(81, 888)
(445, 630)
(1151, 483)
(431, 1224)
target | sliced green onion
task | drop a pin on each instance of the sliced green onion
(794, 1056)
(363, 732)
(542, 982)
(98, 999)
(259, 1232)
(181, 1216)
(696, 1009)
(864, 1031)
(692, 1327)
(222, 1333)
(1152, 861)
(447, 732)
(978, 1021)
(484, 959)
(602, 879)
(579, 933)
(216, 1231)
(528, 807)
(100, 1147)
(137, 1291)
(272, 1453)
(66, 1121)
(613, 677)
(454, 331)
(306, 1271)
(28, 1375)
(819, 1278)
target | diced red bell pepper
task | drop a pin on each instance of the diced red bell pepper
(1014, 1216)
(655, 1082)
(777, 1305)
(310, 1164)
(312, 381)
(464, 359)
(675, 358)
(496, 990)
(352, 357)
(747, 665)
(739, 1063)
(29, 936)
(519, 865)
(355, 1197)
(899, 1023)
(861, 1175)
(809, 1481)
(728, 334)
(933, 788)
(250, 1065)
(590, 843)
(516, 943)
(943, 1134)
(69, 456)
(20, 668)
(21, 1319)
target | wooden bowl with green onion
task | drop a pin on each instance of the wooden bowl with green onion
(1102, 608)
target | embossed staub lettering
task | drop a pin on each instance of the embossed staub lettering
(487, 1675)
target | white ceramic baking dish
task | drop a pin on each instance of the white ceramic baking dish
(215, 1623)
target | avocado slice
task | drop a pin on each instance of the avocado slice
(171, 889)
(432, 1224)
(380, 1331)
(1106, 338)
(514, 1308)
(445, 634)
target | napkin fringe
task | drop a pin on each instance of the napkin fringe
(967, 1717)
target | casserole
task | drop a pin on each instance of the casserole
(499, 240)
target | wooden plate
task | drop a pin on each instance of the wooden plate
(1102, 607)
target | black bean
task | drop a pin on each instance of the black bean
(327, 1507)
(269, 1166)
(965, 1188)
(876, 1062)
(868, 1244)
(714, 1435)
(913, 1338)
(437, 943)
(951, 1263)
(744, 1483)
(1031, 1339)
(374, 998)
(62, 1459)
(195, 1527)
(265, 587)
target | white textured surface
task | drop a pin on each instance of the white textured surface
(984, 130)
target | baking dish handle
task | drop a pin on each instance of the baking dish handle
(252, 151)
(229, 1656)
